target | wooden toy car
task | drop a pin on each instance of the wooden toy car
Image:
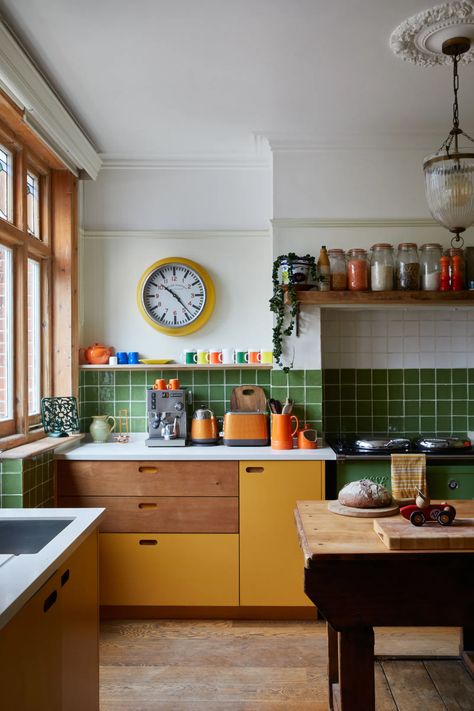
(442, 513)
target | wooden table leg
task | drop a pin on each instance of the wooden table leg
(466, 647)
(356, 669)
(333, 661)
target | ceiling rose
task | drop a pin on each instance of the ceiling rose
(420, 38)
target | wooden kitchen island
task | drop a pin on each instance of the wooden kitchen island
(357, 584)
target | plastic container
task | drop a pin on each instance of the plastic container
(408, 267)
(337, 275)
(357, 270)
(430, 266)
(381, 267)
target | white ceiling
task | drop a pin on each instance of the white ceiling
(189, 77)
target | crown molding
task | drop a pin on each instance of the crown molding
(389, 141)
(174, 234)
(366, 223)
(111, 161)
(43, 111)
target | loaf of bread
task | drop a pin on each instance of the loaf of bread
(364, 494)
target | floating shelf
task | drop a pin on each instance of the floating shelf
(178, 366)
(386, 298)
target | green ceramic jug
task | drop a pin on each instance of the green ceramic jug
(101, 427)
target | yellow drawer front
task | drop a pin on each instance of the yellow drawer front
(169, 569)
(271, 561)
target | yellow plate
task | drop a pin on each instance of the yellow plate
(155, 361)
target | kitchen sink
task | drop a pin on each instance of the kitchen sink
(29, 535)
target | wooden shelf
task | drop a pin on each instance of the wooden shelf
(178, 366)
(386, 298)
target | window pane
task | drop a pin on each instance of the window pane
(5, 184)
(34, 337)
(6, 335)
(32, 204)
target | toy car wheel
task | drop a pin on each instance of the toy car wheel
(417, 518)
(444, 518)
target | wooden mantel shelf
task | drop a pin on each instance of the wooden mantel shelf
(386, 298)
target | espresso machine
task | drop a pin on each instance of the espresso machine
(167, 422)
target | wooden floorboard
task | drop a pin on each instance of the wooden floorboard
(225, 665)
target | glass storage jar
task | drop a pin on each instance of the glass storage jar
(381, 267)
(457, 252)
(337, 275)
(430, 266)
(408, 267)
(357, 270)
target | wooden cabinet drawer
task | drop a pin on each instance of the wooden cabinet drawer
(149, 478)
(169, 569)
(186, 514)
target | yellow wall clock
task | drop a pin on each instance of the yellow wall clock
(176, 296)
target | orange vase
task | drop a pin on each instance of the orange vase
(282, 432)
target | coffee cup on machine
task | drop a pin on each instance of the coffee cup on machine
(159, 384)
(174, 384)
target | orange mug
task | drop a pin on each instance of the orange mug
(254, 356)
(307, 438)
(174, 384)
(160, 384)
(282, 434)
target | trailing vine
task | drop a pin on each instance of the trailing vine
(277, 302)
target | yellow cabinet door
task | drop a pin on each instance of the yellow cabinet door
(169, 569)
(271, 561)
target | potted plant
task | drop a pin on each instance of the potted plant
(289, 270)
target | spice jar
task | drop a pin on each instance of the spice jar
(408, 267)
(337, 275)
(430, 267)
(381, 267)
(357, 270)
(461, 275)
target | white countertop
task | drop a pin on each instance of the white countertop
(136, 449)
(21, 576)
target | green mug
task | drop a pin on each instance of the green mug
(241, 357)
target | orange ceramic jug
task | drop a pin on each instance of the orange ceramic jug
(97, 354)
(282, 434)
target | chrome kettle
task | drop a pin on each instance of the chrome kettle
(204, 430)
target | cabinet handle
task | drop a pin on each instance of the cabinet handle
(146, 505)
(148, 470)
(254, 470)
(50, 600)
(148, 542)
(65, 577)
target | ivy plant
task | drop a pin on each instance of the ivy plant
(277, 302)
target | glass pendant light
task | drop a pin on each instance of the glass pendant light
(449, 173)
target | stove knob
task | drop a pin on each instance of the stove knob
(453, 484)
(179, 406)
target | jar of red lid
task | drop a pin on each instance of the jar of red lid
(357, 270)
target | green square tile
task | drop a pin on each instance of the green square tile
(379, 392)
(263, 377)
(313, 394)
(332, 408)
(428, 408)
(12, 483)
(443, 424)
(228, 392)
(279, 393)
(459, 392)
(428, 425)
(380, 423)
(443, 375)
(459, 407)
(297, 394)
(470, 375)
(459, 375)
(90, 393)
(379, 376)
(411, 376)
(201, 377)
(427, 375)
(278, 378)
(138, 424)
(218, 407)
(217, 392)
(363, 392)
(12, 466)
(348, 375)
(348, 424)
(12, 501)
(443, 407)
(201, 396)
(137, 409)
(443, 392)
(216, 377)
(460, 425)
(364, 408)
(233, 377)
(314, 377)
(412, 392)
(152, 375)
(299, 412)
(470, 407)
(347, 407)
(363, 376)
(122, 392)
(332, 392)
(471, 392)
(186, 378)
(138, 393)
(348, 392)
(396, 425)
(106, 393)
(395, 375)
(122, 377)
(249, 377)
(82, 377)
(364, 424)
(107, 408)
(395, 408)
(395, 392)
(138, 377)
(332, 425)
(121, 405)
(412, 424)
(380, 407)
(106, 377)
(412, 407)
(331, 377)
(89, 409)
(296, 378)
(313, 411)
(427, 392)
(91, 377)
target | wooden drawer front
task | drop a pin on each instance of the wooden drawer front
(169, 569)
(163, 514)
(148, 478)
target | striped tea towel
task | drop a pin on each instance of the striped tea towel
(408, 475)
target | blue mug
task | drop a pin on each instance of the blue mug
(133, 358)
(122, 358)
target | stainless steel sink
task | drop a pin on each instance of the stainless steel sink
(29, 535)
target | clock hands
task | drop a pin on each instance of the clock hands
(177, 298)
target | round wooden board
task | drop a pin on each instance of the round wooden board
(338, 508)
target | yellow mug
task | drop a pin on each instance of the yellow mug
(266, 356)
(203, 357)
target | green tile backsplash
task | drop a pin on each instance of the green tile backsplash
(107, 392)
(27, 483)
(402, 402)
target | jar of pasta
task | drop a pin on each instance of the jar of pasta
(381, 267)
(408, 267)
(357, 270)
(337, 274)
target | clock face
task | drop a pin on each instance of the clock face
(176, 296)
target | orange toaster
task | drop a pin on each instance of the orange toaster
(246, 429)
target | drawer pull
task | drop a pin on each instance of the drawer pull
(148, 470)
(65, 577)
(50, 600)
(147, 506)
(254, 470)
(148, 542)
